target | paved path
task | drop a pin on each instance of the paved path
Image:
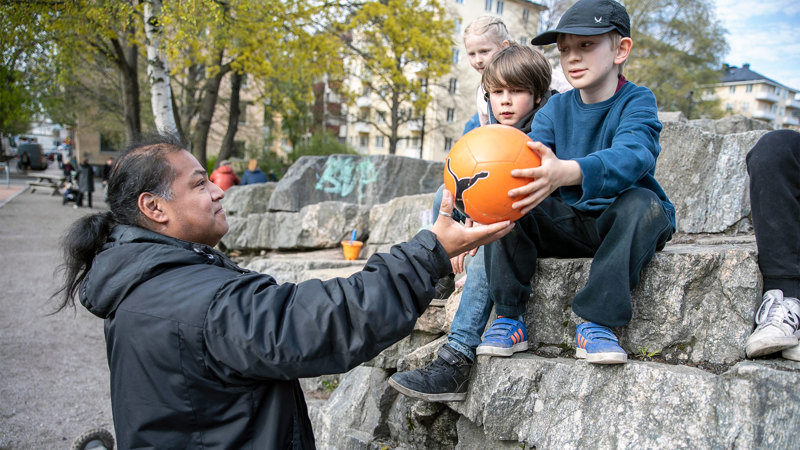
(53, 370)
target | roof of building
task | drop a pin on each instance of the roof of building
(733, 74)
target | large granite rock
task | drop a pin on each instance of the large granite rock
(321, 225)
(240, 201)
(398, 220)
(363, 180)
(705, 177)
(694, 302)
(564, 403)
(730, 125)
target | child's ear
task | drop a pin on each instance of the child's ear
(624, 50)
(505, 44)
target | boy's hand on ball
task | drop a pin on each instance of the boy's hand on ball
(457, 239)
(551, 175)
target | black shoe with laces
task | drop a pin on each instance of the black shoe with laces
(445, 286)
(443, 380)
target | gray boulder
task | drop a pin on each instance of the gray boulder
(730, 125)
(398, 220)
(322, 225)
(363, 180)
(240, 201)
(705, 177)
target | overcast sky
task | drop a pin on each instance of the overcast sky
(766, 34)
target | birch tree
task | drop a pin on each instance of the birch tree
(157, 73)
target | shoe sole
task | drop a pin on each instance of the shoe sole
(601, 358)
(500, 351)
(769, 345)
(792, 353)
(444, 397)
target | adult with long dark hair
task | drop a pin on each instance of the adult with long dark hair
(206, 354)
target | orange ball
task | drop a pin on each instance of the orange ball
(477, 172)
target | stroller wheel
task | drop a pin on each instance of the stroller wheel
(94, 439)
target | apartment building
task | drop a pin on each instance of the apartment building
(744, 91)
(434, 131)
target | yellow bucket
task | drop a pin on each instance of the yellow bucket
(351, 251)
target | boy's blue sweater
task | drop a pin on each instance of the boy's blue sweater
(615, 142)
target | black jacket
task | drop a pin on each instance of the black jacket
(204, 354)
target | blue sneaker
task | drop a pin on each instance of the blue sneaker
(598, 345)
(504, 338)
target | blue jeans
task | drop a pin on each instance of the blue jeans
(474, 309)
(622, 239)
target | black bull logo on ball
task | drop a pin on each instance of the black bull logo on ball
(462, 184)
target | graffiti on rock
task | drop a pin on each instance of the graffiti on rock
(344, 175)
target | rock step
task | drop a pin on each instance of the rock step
(695, 302)
(567, 403)
(527, 401)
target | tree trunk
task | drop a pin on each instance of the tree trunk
(395, 122)
(160, 92)
(209, 103)
(127, 61)
(226, 150)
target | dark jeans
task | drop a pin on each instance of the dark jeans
(81, 195)
(622, 239)
(774, 168)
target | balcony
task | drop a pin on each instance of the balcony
(793, 103)
(791, 121)
(764, 115)
(767, 97)
(364, 102)
(362, 127)
(414, 125)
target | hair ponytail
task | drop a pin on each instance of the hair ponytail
(82, 242)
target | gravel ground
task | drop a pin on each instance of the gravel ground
(53, 370)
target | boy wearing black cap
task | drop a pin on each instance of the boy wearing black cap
(594, 195)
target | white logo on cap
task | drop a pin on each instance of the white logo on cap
(598, 19)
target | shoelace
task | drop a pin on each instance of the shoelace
(774, 310)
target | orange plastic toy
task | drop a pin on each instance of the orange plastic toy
(477, 172)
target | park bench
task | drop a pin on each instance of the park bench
(48, 181)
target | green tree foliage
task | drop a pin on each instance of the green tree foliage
(321, 143)
(678, 46)
(276, 44)
(395, 45)
(24, 50)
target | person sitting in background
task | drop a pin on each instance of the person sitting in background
(253, 175)
(224, 176)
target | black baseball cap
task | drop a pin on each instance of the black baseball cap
(589, 18)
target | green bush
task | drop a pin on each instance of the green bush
(321, 144)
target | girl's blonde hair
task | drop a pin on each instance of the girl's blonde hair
(518, 67)
(493, 25)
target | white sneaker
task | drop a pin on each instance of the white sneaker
(778, 325)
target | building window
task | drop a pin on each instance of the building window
(451, 114)
(457, 24)
(729, 107)
(378, 141)
(526, 15)
(381, 117)
(448, 144)
(500, 4)
(732, 89)
(745, 106)
(415, 142)
(456, 55)
(778, 91)
(453, 86)
(243, 113)
(488, 6)
(363, 140)
(363, 114)
(709, 92)
(460, 2)
(749, 88)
